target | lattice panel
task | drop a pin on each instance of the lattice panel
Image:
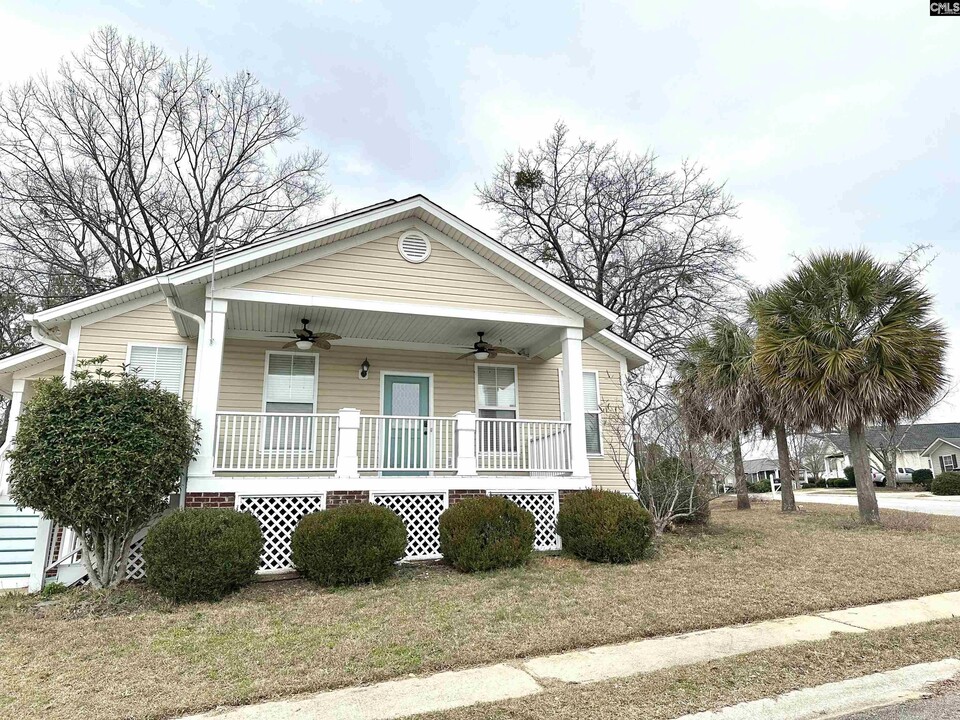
(543, 506)
(421, 514)
(278, 515)
(136, 566)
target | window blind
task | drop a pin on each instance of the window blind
(163, 364)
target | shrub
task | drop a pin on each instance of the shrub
(850, 474)
(485, 533)
(348, 545)
(101, 457)
(759, 486)
(202, 554)
(672, 494)
(923, 476)
(843, 482)
(946, 483)
(604, 526)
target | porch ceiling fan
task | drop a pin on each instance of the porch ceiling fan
(482, 350)
(305, 338)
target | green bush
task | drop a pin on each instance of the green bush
(202, 554)
(946, 483)
(604, 526)
(759, 486)
(348, 545)
(923, 476)
(485, 533)
(844, 482)
(102, 457)
(850, 474)
(672, 493)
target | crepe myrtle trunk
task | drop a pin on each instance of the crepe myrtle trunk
(866, 493)
(739, 477)
(787, 501)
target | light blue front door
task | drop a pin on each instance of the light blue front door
(405, 439)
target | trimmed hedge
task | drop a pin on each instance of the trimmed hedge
(348, 545)
(759, 486)
(923, 476)
(946, 483)
(843, 482)
(604, 526)
(485, 533)
(202, 554)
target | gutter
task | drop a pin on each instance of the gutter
(166, 287)
(39, 333)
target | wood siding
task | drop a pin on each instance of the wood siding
(148, 324)
(376, 271)
(242, 375)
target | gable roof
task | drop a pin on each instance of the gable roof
(955, 442)
(917, 437)
(341, 227)
(760, 465)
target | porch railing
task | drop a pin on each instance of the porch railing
(523, 445)
(349, 443)
(275, 442)
(392, 443)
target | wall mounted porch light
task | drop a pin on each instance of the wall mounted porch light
(364, 369)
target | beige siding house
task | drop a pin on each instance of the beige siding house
(398, 407)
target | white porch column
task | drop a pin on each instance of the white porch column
(466, 442)
(348, 435)
(209, 360)
(572, 346)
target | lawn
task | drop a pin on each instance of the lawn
(129, 654)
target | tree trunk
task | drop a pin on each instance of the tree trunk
(866, 493)
(787, 501)
(739, 478)
(890, 467)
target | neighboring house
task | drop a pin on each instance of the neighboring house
(942, 454)
(761, 469)
(391, 413)
(916, 439)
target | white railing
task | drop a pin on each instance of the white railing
(275, 442)
(391, 443)
(523, 445)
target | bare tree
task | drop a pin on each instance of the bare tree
(652, 245)
(127, 162)
(808, 453)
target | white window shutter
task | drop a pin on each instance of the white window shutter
(164, 364)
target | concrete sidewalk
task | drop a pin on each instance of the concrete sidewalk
(448, 690)
(908, 502)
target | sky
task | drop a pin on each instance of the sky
(834, 124)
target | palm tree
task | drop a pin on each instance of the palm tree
(717, 393)
(846, 340)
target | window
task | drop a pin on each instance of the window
(497, 399)
(948, 463)
(290, 387)
(161, 363)
(591, 410)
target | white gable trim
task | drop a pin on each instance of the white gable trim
(930, 448)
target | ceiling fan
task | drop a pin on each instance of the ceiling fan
(304, 338)
(482, 350)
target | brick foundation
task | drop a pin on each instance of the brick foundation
(458, 495)
(210, 500)
(336, 498)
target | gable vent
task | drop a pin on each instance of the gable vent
(414, 247)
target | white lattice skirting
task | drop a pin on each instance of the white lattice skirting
(544, 507)
(420, 512)
(278, 515)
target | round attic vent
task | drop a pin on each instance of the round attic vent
(414, 247)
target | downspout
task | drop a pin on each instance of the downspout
(168, 294)
(38, 333)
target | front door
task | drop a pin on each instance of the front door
(405, 397)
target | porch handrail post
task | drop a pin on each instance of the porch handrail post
(209, 361)
(572, 348)
(466, 442)
(348, 435)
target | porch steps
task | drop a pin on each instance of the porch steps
(18, 534)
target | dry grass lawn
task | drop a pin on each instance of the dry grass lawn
(129, 654)
(710, 686)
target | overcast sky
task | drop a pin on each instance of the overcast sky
(834, 123)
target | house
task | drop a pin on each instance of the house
(759, 469)
(942, 454)
(394, 354)
(916, 439)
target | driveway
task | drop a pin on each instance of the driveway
(911, 502)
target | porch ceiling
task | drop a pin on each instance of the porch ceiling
(256, 319)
